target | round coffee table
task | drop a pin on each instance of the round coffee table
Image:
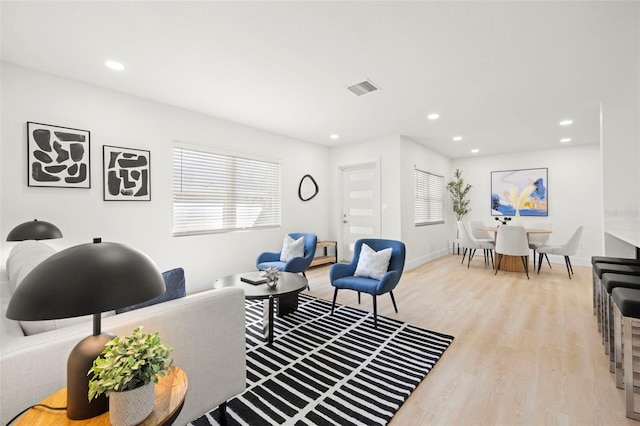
(283, 297)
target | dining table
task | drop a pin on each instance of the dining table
(511, 263)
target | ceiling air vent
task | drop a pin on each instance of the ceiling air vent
(363, 88)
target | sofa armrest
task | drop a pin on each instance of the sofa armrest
(206, 330)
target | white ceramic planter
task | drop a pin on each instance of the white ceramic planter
(129, 408)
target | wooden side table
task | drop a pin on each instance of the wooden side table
(170, 393)
(327, 258)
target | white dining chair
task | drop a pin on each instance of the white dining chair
(512, 241)
(567, 249)
(479, 234)
(537, 240)
(470, 245)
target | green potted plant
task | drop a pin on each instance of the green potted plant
(459, 201)
(459, 191)
(127, 370)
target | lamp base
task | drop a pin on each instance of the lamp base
(78, 365)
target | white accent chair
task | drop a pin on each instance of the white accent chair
(470, 244)
(537, 240)
(512, 241)
(567, 249)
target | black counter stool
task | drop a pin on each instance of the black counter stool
(603, 268)
(611, 260)
(627, 307)
(609, 282)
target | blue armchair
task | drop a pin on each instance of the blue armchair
(297, 264)
(341, 275)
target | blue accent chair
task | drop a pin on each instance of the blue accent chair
(297, 264)
(341, 274)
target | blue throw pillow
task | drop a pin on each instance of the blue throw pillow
(174, 282)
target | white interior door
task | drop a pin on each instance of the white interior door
(360, 206)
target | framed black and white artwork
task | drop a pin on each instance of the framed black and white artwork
(126, 174)
(58, 156)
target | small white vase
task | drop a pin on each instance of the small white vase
(518, 219)
(129, 408)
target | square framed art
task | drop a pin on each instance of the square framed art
(127, 174)
(58, 156)
(524, 191)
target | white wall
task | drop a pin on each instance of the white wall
(424, 243)
(121, 120)
(575, 185)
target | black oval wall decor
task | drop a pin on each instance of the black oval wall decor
(310, 188)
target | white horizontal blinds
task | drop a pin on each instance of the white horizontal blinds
(429, 198)
(214, 192)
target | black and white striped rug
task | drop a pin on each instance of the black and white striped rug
(324, 369)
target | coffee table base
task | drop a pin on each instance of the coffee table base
(284, 305)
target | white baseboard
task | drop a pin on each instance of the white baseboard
(414, 263)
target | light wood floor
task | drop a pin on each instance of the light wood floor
(525, 351)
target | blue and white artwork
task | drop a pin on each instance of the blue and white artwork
(522, 191)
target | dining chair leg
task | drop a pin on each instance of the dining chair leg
(333, 305)
(547, 257)
(540, 262)
(491, 255)
(498, 265)
(375, 312)
(393, 300)
(525, 263)
(569, 268)
(534, 259)
(358, 298)
(464, 254)
(471, 254)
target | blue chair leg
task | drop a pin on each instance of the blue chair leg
(375, 312)
(393, 299)
(335, 294)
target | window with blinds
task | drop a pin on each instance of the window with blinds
(218, 193)
(429, 198)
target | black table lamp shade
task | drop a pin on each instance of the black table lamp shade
(81, 280)
(86, 279)
(34, 230)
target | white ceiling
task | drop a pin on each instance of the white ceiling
(501, 74)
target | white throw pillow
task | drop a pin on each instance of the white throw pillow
(373, 264)
(291, 248)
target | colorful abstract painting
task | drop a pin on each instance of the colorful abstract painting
(126, 174)
(58, 156)
(524, 191)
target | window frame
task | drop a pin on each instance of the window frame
(422, 208)
(232, 200)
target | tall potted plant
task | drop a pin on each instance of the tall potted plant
(459, 201)
(126, 372)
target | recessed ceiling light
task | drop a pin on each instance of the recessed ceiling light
(565, 140)
(114, 65)
(475, 150)
(334, 136)
(566, 122)
(457, 138)
(433, 116)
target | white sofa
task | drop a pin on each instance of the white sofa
(206, 330)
